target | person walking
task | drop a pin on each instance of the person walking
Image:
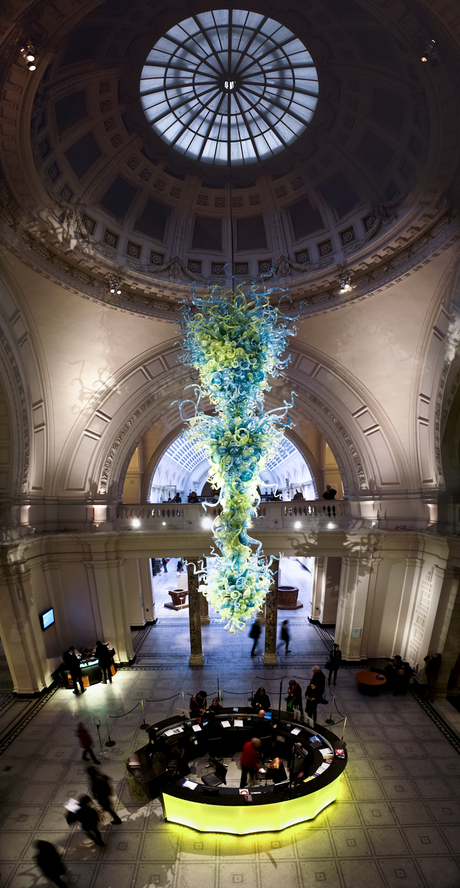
(86, 743)
(333, 664)
(88, 817)
(72, 664)
(284, 635)
(101, 790)
(255, 634)
(50, 862)
(164, 562)
(104, 655)
(249, 762)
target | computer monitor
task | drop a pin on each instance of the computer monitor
(268, 716)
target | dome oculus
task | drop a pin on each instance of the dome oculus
(229, 87)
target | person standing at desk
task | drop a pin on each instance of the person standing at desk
(311, 700)
(294, 697)
(249, 761)
(197, 704)
(319, 680)
(105, 660)
(72, 663)
(260, 700)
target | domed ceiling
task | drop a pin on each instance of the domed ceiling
(312, 141)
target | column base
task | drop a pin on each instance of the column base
(270, 659)
(205, 621)
(196, 661)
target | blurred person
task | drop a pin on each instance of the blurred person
(255, 634)
(102, 791)
(433, 665)
(104, 655)
(285, 636)
(88, 817)
(50, 862)
(86, 743)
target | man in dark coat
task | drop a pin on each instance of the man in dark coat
(101, 790)
(72, 663)
(335, 658)
(105, 660)
(319, 680)
(433, 663)
(50, 863)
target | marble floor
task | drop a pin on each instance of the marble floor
(396, 823)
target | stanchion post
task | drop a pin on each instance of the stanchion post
(109, 742)
(344, 725)
(97, 722)
(279, 702)
(330, 721)
(144, 724)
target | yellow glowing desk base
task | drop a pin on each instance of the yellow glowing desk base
(241, 820)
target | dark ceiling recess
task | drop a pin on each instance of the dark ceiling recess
(153, 220)
(251, 234)
(70, 110)
(375, 152)
(84, 44)
(83, 154)
(340, 195)
(118, 197)
(388, 109)
(376, 47)
(207, 234)
(305, 218)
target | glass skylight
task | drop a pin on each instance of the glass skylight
(229, 87)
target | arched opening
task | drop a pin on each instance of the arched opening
(183, 470)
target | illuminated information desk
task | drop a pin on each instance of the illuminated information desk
(269, 807)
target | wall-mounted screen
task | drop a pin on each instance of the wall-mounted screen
(47, 618)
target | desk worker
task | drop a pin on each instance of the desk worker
(72, 663)
(198, 704)
(260, 700)
(298, 762)
(276, 770)
(249, 761)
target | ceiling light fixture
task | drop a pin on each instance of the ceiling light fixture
(429, 52)
(115, 286)
(29, 55)
(345, 283)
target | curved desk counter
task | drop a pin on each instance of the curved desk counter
(269, 807)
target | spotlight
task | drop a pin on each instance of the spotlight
(29, 55)
(136, 522)
(115, 286)
(164, 523)
(429, 52)
(330, 525)
(206, 523)
(298, 525)
(345, 283)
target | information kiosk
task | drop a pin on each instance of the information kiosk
(267, 806)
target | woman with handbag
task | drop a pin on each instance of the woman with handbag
(333, 664)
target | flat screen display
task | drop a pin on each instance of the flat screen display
(268, 716)
(47, 618)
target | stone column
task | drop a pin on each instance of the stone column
(271, 615)
(21, 634)
(317, 589)
(196, 658)
(146, 584)
(109, 589)
(351, 612)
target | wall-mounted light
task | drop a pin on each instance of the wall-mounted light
(345, 283)
(29, 55)
(115, 286)
(136, 522)
(330, 525)
(206, 523)
(298, 525)
(429, 52)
